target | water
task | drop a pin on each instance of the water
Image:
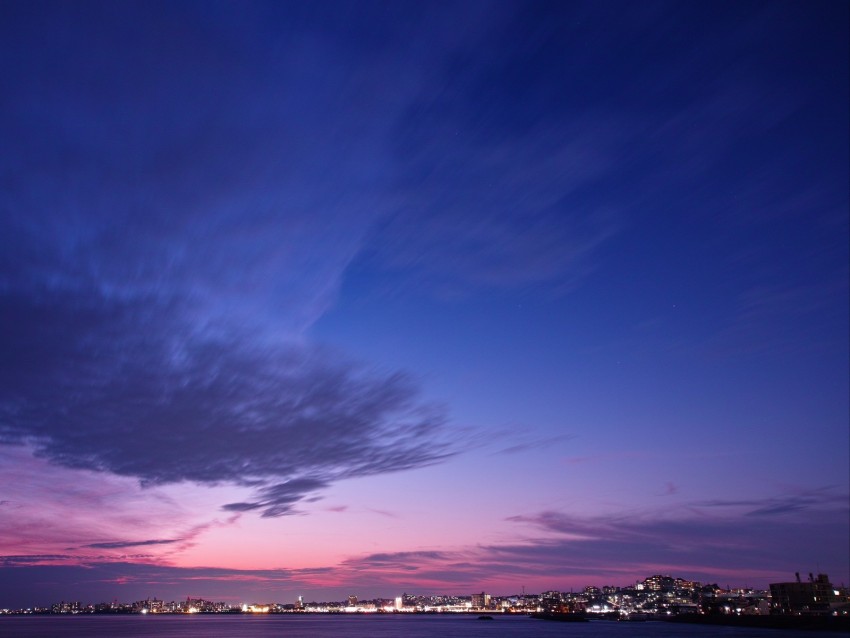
(359, 626)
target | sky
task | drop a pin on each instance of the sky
(320, 299)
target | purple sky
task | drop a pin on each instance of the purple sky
(364, 298)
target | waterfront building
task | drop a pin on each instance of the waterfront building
(480, 601)
(812, 597)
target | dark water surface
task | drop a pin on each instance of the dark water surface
(359, 626)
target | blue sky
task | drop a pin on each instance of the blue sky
(372, 297)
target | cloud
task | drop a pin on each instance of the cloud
(121, 544)
(118, 386)
(564, 550)
(698, 537)
(811, 500)
(203, 200)
(279, 499)
(524, 152)
(501, 213)
(408, 561)
(785, 317)
(169, 184)
(58, 511)
(526, 443)
(33, 559)
(385, 513)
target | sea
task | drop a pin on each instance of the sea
(362, 626)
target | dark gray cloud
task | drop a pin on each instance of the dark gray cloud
(121, 544)
(116, 386)
(405, 561)
(279, 499)
(32, 559)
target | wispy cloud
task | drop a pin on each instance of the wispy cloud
(34, 559)
(122, 544)
(385, 513)
(705, 536)
(404, 561)
(279, 499)
(812, 500)
(525, 443)
(288, 420)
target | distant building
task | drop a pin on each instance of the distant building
(659, 583)
(352, 601)
(480, 601)
(799, 598)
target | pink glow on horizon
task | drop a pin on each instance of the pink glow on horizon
(368, 534)
(75, 516)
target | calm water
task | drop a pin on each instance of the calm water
(298, 626)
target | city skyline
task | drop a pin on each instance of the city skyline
(655, 590)
(296, 300)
